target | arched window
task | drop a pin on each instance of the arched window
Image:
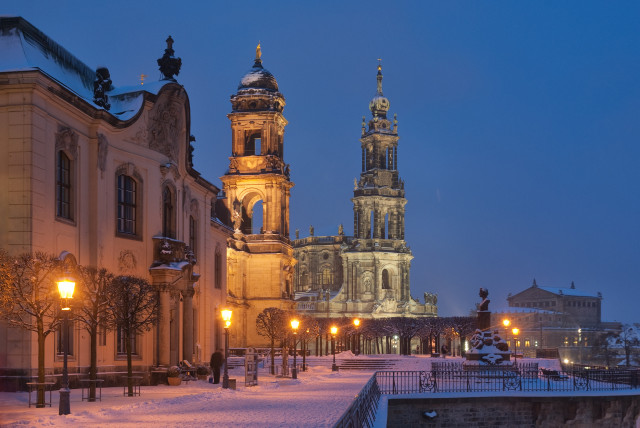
(63, 186)
(386, 283)
(127, 188)
(168, 213)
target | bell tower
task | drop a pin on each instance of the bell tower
(378, 212)
(257, 189)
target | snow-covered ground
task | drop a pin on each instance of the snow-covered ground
(317, 398)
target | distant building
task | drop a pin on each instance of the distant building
(365, 275)
(553, 317)
(105, 174)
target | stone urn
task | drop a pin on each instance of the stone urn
(174, 381)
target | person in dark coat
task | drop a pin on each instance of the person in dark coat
(216, 362)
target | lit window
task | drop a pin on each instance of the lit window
(63, 186)
(126, 205)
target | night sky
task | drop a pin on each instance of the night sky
(519, 122)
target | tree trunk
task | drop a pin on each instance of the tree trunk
(41, 338)
(93, 368)
(273, 368)
(129, 364)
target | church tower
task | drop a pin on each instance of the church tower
(378, 213)
(365, 275)
(257, 190)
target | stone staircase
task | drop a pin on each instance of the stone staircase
(371, 364)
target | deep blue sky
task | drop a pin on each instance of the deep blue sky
(519, 122)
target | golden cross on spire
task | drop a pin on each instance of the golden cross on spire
(142, 77)
(379, 64)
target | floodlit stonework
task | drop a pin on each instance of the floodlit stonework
(260, 256)
(366, 275)
(105, 174)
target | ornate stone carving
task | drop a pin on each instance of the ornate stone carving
(431, 298)
(169, 168)
(67, 140)
(103, 148)
(101, 85)
(169, 65)
(127, 262)
(164, 130)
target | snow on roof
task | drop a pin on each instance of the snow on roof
(25, 48)
(569, 292)
(514, 309)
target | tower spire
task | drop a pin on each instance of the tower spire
(379, 76)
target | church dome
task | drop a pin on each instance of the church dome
(258, 77)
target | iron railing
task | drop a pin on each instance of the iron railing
(525, 377)
(362, 412)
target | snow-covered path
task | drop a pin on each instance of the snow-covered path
(317, 398)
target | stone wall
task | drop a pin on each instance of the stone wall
(586, 411)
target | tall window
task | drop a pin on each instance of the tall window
(60, 339)
(121, 344)
(168, 215)
(386, 284)
(63, 186)
(193, 233)
(126, 205)
(326, 276)
(218, 270)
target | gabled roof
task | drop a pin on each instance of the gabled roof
(25, 48)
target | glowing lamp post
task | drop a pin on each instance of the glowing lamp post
(226, 317)
(334, 331)
(356, 322)
(515, 332)
(506, 323)
(294, 325)
(65, 288)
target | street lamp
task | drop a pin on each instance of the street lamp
(515, 332)
(356, 322)
(226, 317)
(65, 288)
(294, 325)
(506, 323)
(334, 331)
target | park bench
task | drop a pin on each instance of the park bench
(553, 374)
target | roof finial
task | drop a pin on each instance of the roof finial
(573, 286)
(258, 54)
(380, 76)
(534, 283)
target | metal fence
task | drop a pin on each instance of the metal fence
(527, 377)
(409, 382)
(362, 412)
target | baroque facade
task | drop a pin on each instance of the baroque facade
(105, 174)
(368, 274)
(257, 191)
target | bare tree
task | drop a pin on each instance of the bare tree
(602, 347)
(93, 291)
(133, 309)
(406, 329)
(462, 327)
(272, 324)
(29, 298)
(629, 339)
